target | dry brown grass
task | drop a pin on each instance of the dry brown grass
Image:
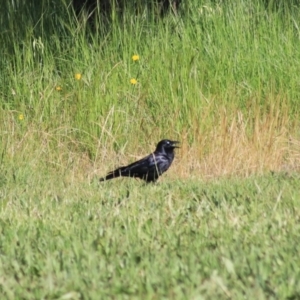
(243, 144)
(237, 144)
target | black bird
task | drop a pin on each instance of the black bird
(150, 167)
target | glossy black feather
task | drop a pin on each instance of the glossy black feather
(150, 167)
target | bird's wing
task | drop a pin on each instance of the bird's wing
(140, 167)
(155, 163)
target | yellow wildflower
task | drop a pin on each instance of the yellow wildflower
(21, 117)
(58, 88)
(77, 76)
(133, 81)
(135, 57)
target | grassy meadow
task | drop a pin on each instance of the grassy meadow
(78, 100)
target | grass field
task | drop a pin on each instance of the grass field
(223, 223)
(179, 239)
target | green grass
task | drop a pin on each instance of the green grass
(223, 239)
(223, 223)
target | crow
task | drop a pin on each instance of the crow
(150, 167)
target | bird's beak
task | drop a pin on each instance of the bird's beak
(174, 144)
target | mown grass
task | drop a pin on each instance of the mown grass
(221, 224)
(190, 239)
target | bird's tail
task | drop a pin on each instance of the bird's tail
(111, 175)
